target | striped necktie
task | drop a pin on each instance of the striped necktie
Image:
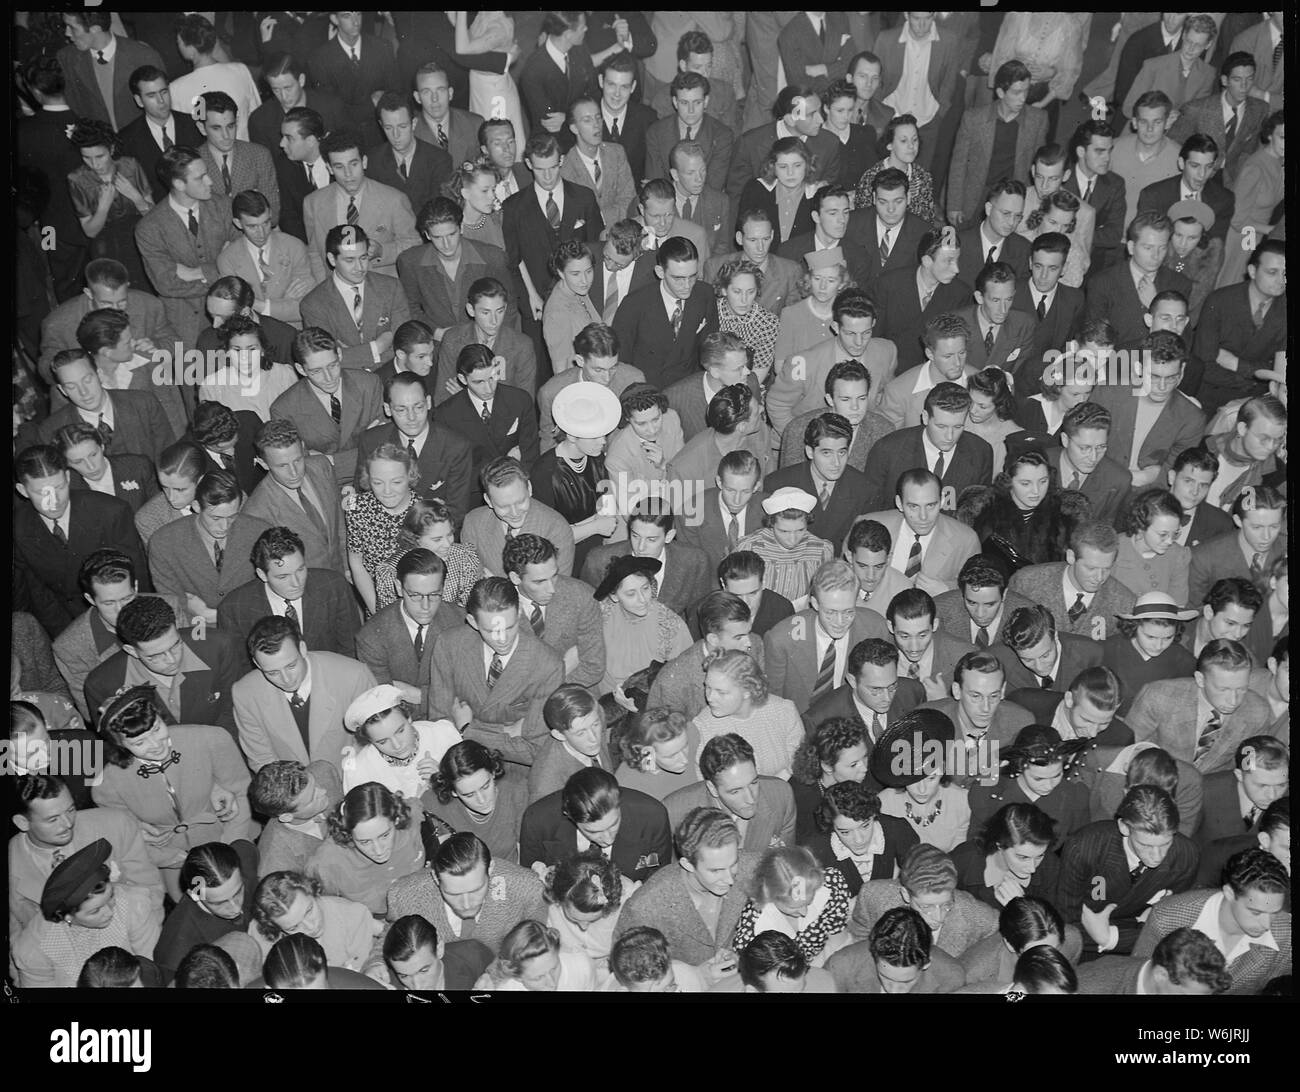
(494, 671)
(611, 298)
(826, 673)
(914, 559)
(353, 214)
(1208, 735)
(538, 621)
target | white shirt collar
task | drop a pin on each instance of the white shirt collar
(109, 51)
(1061, 722)
(670, 301)
(783, 131)
(505, 660)
(347, 291)
(561, 61)
(906, 35)
(1207, 922)
(1071, 593)
(183, 212)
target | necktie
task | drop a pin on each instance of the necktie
(825, 673)
(336, 409)
(486, 414)
(988, 342)
(596, 764)
(494, 671)
(194, 224)
(552, 212)
(225, 171)
(354, 55)
(311, 178)
(1136, 874)
(1076, 611)
(401, 169)
(564, 64)
(313, 513)
(821, 32)
(939, 467)
(613, 130)
(733, 533)
(263, 266)
(1045, 683)
(537, 621)
(1087, 194)
(677, 319)
(913, 671)
(218, 555)
(1076, 482)
(168, 143)
(296, 700)
(57, 532)
(441, 136)
(611, 298)
(595, 174)
(982, 637)
(1147, 289)
(1277, 53)
(1230, 131)
(876, 727)
(291, 613)
(510, 534)
(825, 496)
(356, 307)
(884, 247)
(690, 208)
(59, 857)
(1041, 308)
(410, 446)
(690, 133)
(992, 256)
(1248, 820)
(925, 300)
(227, 463)
(913, 559)
(105, 431)
(419, 642)
(1208, 735)
(1259, 314)
(353, 214)
(1257, 567)
(100, 58)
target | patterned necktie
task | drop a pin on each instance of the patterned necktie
(1257, 567)
(263, 266)
(939, 467)
(611, 298)
(354, 55)
(353, 214)
(613, 130)
(1136, 873)
(1041, 308)
(297, 700)
(825, 496)
(291, 613)
(1045, 683)
(595, 174)
(58, 857)
(914, 671)
(538, 621)
(410, 446)
(494, 671)
(194, 224)
(733, 533)
(1087, 194)
(913, 559)
(218, 555)
(313, 513)
(677, 319)
(876, 727)
(168, 143)
(982, 637)
(1076, 612)
(419, 643)
(441, 136)
(226, 461)
(1259, 313)
(552, 212)
(225, 172)
(884, 247)
(1147, 289)
(1230, 131)
(57, 532)
(925, 300)
(486, 414)
(105, 431)
(988, 342)
(1248, 820)
(825, 673)
(336, 409)
(356, 307)
(100, 58)
(1076, 482)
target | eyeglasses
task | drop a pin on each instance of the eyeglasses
(419, 597)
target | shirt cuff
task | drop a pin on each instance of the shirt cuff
(1112, 940)
(374, 352)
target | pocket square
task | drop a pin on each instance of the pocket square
(514, 427)
(437, 485)
(1012, 355)
(701, 325)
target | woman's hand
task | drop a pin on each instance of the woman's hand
(427, 767)
(224, 802)
(653, 452)
(1008, 888)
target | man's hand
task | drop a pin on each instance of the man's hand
(461, 714)
(224, 802)
(935, 690)
(553, 121)
(1144, 477)
(722, 964)
(1227, 359)
(1097, 923)
(189, 273)
(813, 70)
(410, 694)
(195, 606)
(955, 218)
(384, 342)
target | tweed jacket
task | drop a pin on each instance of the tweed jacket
(383, 309)
(164, 242)
(290, 280)
(514, 895)
(1166, 712)
(181, 565)
(384, 214)
(273, 504)
(361, 402)
(970, 920)
(572, 629)
(385, 646)
(773, 823)
(1043, 584)
(790, 652)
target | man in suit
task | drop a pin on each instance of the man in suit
(1194, 182)
(130, 422)
(1114, 869)
(510, 511)
(272, 263)
(847, 387)
(329, 406)
(226, 437)
(975, 701)
(556, 74)
(660, 326)
(781, 276)
(192, 677)
(684, 574)
(489, 304)
(1181, 76)
(658, 218)
(578, 740)
(598, 163)
(691, 123)
(1056, 308)
(158, 128)
(1033, 654)
(694, 201)
(180, 238)
(913, 308)
(994, 142)
(919, 44)
(497, 144)
(1249, 552)
(556, 608)
(1091, 180)
(1086, 710)
(741, 574)
(1261, 41)
(1122, 293)
(977, 608)
(291, 705)
(1185, 963)
(383, 213)
(1236, 799)
(868, 547)
(886, 230)
(807, 654)
(1001, 337)
(624, 121)
(925, 653)
(797, 111)
(97, 66)
(830, 216)
(301, 170)
(1080, 592)
(994, 239)
(815, 47)
(939, 443)
(873, 693)
(299, 494)
(1081, 462)
(286, 76)
(397, 643)
(495, 418)
(842, 492)
(453, 130)
(1231, 117)
(628, 827)
(354, 67)
(762, 808)
(491, 679)
(359, 308)
(319, 600)
(724, 622)
(724, 359)
(443, 455)
(1162, 38)
(414, 167)
(1189, 480)
(729, 511)
(234, 165)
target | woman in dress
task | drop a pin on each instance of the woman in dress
(804, 324)
(1150, 558)
(639, 629)
(1261, 184)
(1034, 771)
(530, 959)
(428, 525)
(473, 186)
(791, 552)
(1149, 645)
(902, 141)
(249, 378)
(1012, 856)
(584, 894)
(857, 142)
(648, 438)
(186, 784)
(737, 287)
(1022, 517)
(835, 750)
(992, 414)
(491, 94)
(1194, 254)
(851, 835)
(791, 894)
(917, 786)
(737, 700)
(180, 467)
(785, 189)
(655, 748)
(475, 791)
(568, 477)
(568, 308)
(109, 194)
(390, 477)
(289, 904)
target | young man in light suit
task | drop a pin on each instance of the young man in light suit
(1001, 337)
(234, 165)
(439, 123)
(1209, 114)
(489, 305)
(848, 393)
(689, 122)
(596, 163)
(275, 265)
(730, 510)
(725, 622)
(976, 609)
(925, 652)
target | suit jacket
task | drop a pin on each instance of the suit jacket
(663, 902)
(445, 462)
(1165, 73)
(1209, 522)
(1143, 44)
(690, 576)
(773, 822)
(205, 695)
(1113, 296)
(1110, 201)
(1227, 323)
(1107, 487)
(951, 544)
(545, 88)
(646, 334)
(133, 480)
(800, 47)
(862, 267)
(440, 302)
(752, 148)
(521, 899)
(790, 652)
(680, 682)
(327, 601)
(571, 620)
(95, 521)
(1008, 719)
(1222, 557)
(272, 504)
(384, 213)
(181, 564)
(385, 646)
(264, 122)
(295, 188)
(462, 134)
(709, 534)
(969, 921)
(1221, 814)
(1163, 195)
(687, 397)
(431, 167)
(871, 429)
(354, 83)
(1257, 40)
(1016, 250)
(945, 61)
(969, 463)
(1055, 329)
(251, 168)
(516, 349)
(800, 383)
(1077, 654)
(853, 970)
(140, 425)
(851, 496)
(862, 234)
(509, 716)
(291, 278)
(1042, 705)
(968, 173)
(1095, 873)
(82, 88)
(715, 138)
(267, 730)
(531, 239)
(164, 242)
(1013, 340)
(1205, 115)
(643, 273)
(1111, 976)
(1042, 584)
(839, 703)
(361, 398)
(616, 189)
(513, 424)
(632, 136)
(899, 316)
(952, 616)
(1180, 425)
(383, 310)
(136, 140)
(1166, 712)
(644, 843)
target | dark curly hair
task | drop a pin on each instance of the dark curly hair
(369, 801)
